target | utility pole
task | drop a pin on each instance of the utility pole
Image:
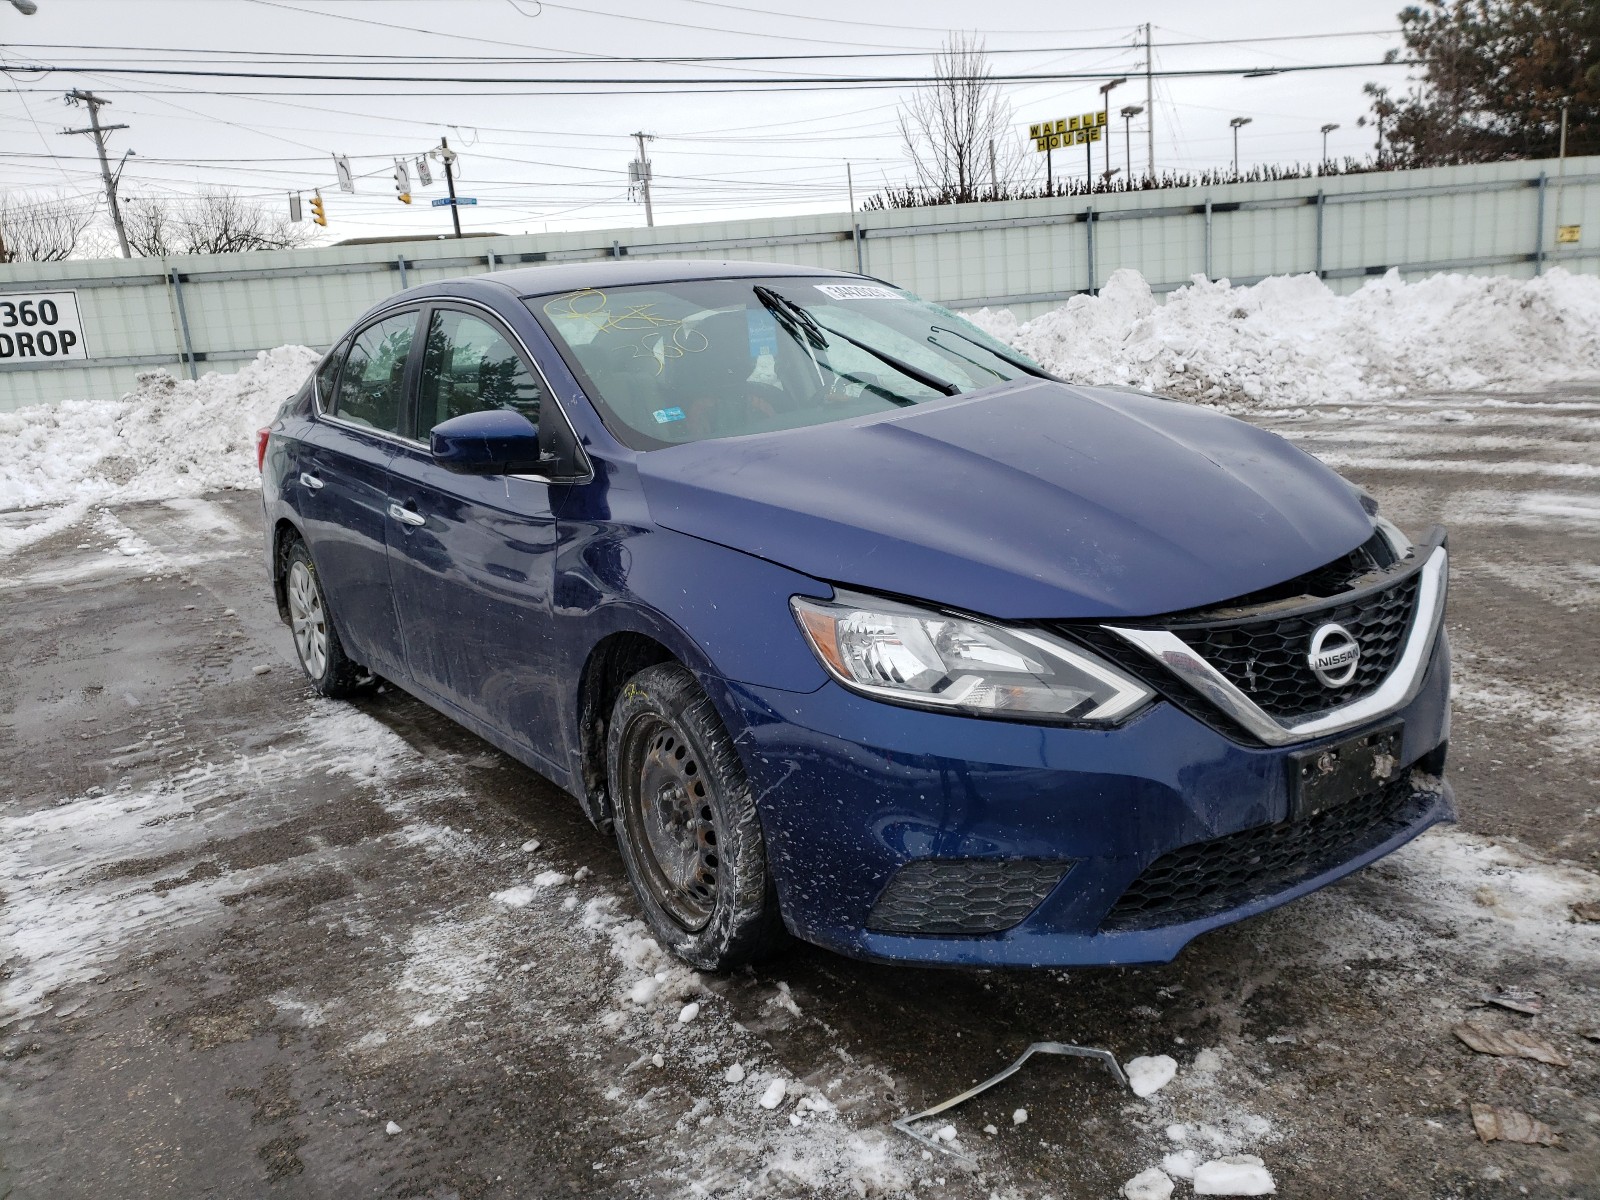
(1149, 102)
(99, 132)
(1326, 130)
(449, 157)
(641, 176)
(855, 225)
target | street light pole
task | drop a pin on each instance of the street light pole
(1129, 111)
(1561, 170)
(1105, 107)
(1326, 130)
(1236, 123)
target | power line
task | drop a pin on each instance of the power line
(580, 56)
(819, 83)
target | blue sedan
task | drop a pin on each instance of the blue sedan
(853, 623)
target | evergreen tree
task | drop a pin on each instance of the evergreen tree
(1493, 77)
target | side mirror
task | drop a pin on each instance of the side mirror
(494, 442)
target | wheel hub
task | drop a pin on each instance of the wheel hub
(672, 810)
(308, 620)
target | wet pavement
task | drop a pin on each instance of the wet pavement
(256, 943)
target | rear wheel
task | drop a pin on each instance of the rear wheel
(316, 641)
(687, 825)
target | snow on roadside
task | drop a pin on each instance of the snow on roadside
(167, 438)
(1290, 340)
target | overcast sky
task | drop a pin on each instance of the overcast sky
(555, 155)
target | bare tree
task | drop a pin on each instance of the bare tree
(214, 222)
(42, 229)
(149, 224)
(958, 130)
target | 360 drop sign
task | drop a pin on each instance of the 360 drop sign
(40, 327)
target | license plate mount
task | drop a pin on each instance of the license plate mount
(1327, 777)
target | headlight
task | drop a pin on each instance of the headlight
(933, 660)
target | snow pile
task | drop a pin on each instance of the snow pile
(168, 437)
(1289, 340)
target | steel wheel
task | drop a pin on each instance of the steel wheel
(672, 817)
(687, 823)
(308, 620)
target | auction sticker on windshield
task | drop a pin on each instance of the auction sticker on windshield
(857, 291)
(37, 326)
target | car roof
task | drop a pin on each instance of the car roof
(566, 277)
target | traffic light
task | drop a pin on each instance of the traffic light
(402, 181)
(317, 215)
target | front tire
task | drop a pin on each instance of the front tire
(687, 826)
(316, 641)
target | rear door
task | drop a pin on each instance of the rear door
(343, 486)
(473, 568)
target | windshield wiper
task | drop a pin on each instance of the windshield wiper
(1016, 360)
(792, 317)
(782, 306)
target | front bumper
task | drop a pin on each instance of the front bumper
(849, 792)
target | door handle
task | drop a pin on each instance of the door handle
(307, 480)
(407, 516)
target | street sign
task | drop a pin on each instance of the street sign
(1067, 131)
(347, 181)
(445, 201)
(1568, 235)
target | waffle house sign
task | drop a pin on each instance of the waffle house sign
(1067, 131)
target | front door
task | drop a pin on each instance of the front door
(473, 563)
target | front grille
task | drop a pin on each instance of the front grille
(964, 896)
(1196, 881)
(1266, 658)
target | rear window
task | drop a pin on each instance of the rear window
(371, 385)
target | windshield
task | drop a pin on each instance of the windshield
(667, 363)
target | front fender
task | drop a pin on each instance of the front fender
(720, 612)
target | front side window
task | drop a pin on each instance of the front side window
(684, 361)
(372, 384)
(469, 366)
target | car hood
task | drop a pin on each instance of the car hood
(1031, 500)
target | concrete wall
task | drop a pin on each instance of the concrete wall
(1028, 255)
